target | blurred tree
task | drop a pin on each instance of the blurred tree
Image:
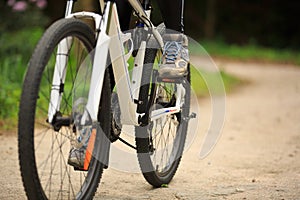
(88, 5)
(210, 19)
(195, 18)
(55, 9)
(17, 15)
(272, 23)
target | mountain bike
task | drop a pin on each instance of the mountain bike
(92, 79)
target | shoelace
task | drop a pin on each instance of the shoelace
(171, 50)
(84, 137)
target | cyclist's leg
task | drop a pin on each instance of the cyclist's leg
(124, 12)
(172, 13)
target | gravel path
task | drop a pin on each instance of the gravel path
(257, 156)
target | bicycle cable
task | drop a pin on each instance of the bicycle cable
(126, 143)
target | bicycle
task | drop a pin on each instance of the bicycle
(78, 81)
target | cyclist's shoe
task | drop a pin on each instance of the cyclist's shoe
(77, 152)
(175, 56)
(76, 157)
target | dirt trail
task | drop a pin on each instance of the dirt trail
(257, 156)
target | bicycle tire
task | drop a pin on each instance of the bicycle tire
(34, 163)
(145, 148)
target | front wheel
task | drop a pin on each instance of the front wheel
(44, 147)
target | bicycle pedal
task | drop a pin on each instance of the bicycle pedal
(85, 170)
(191, 116)
(80, 169)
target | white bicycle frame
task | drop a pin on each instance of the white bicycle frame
(110, 43)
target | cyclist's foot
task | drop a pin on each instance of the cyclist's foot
(175, 56)
(76, 157)
(77, 152)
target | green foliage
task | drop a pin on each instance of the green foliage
(9, 102)
(13, 21)
(19, 33)
(251, 52)
(204, 82)
(19, 43)
(15, 52)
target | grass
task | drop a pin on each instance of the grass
(251, 52)
(205, 83)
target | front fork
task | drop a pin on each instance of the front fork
(59, 76)
(60, 71)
